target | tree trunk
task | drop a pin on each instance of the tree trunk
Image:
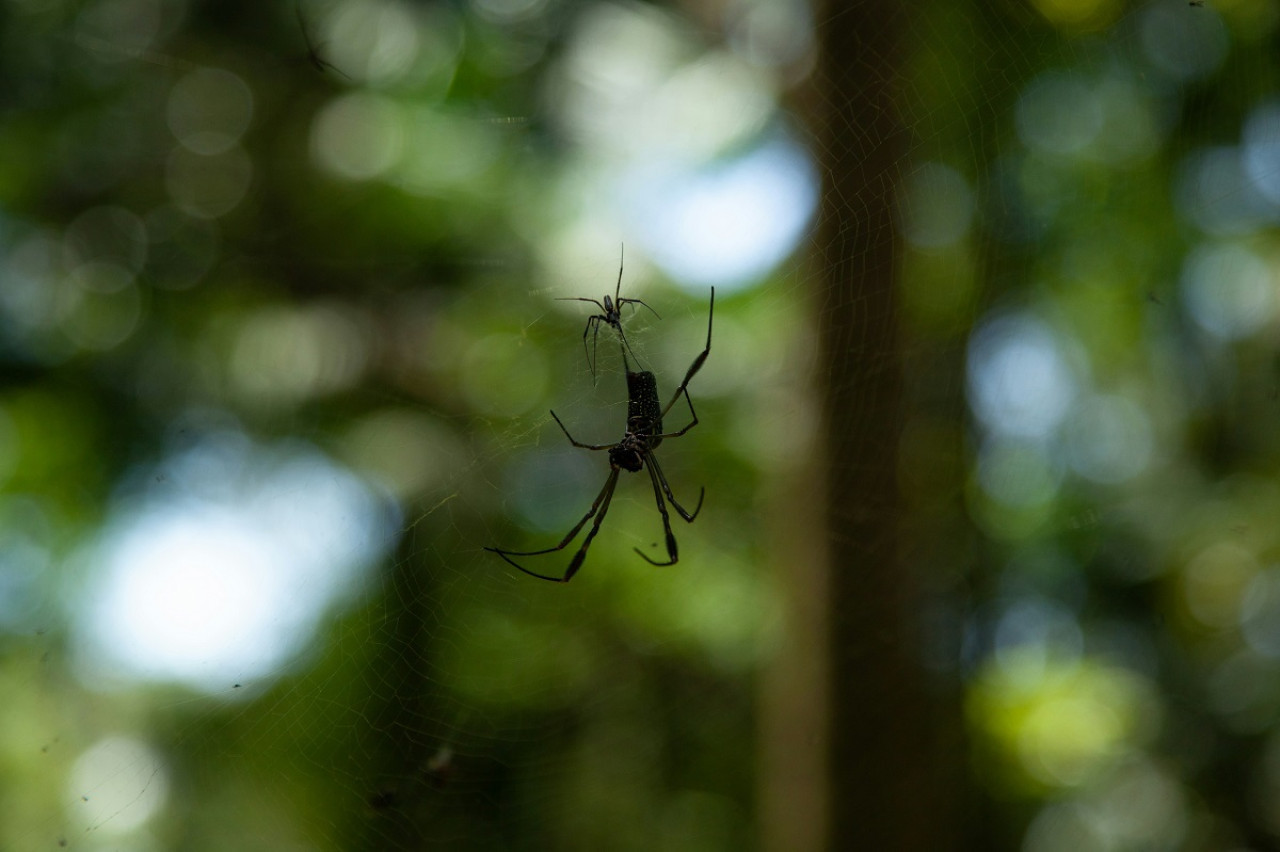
(889, 786)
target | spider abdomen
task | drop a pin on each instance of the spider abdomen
(644, 411)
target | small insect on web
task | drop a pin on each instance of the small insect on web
(642, 436)
(313, 50)
(612, 316)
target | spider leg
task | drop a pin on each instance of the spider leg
(622, 302)
(666, 489)
(622, 258)
(599, 508)
(313, 50)
(672, 550)
(322, 64)
(595, 302)
(306, 37)
(593, 325)
(692, 413)
(695, 366)
(578, 443)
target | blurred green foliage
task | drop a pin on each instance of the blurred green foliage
(202, 230)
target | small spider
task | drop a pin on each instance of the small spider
(635, 451)
(612, 316)
(313, 50)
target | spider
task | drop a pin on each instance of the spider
(642, 436)
(313, 50)
(612, 316)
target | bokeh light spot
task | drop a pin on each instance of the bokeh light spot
(1019, 381)
(726, 225)
(209, 110)
(358, 136)
(223, 571)
(118, 783)
(1229, 291)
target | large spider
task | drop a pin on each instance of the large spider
(612, 316)
(635, 451)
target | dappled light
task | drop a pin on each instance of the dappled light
(1061, 724)
(191, 574)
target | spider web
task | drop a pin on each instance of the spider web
(443, 700)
